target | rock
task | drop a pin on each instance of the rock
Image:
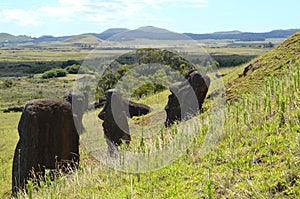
(13, 109)
(48, 138)
(220, 75)
(187, 98)
(136, 109)
(101, 102)
(132, 108)
(115, 123)
(79, 102)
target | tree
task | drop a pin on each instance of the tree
(56, 72)
(69, 63)
(73, 69)
(268, 45)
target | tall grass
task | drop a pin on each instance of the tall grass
(256, 156)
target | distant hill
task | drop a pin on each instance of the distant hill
(49, 38)
(148, 32)
(85, 41)
(243, 36)
(110, 32)
(234, 32)
(271, 63)
(85, 38)
(8, 38)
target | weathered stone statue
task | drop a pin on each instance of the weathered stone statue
(48, 139)
(187, 98)
(79, 102)
(115, 125)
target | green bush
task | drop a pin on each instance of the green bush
(139, 59)
(38, 69)
(77, 69)
(69, 63)
(73, 69)
(56, 72)
(232, 60)
(8, 83)
(147, 89)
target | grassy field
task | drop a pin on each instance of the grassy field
(9, 137)
(46, 55)
(10, 59)
(255, 155)
(24, 89)
(237, 51)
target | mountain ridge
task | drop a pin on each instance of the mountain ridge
(148, 32)
(154, 33)
(244, 36)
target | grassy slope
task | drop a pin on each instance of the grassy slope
(83, 39)
(257, 155)
(270, 63)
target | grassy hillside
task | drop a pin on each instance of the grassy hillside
(83, 39)
(257, 155)
(8, 38)
(272, 63)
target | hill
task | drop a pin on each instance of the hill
(244, 36)
(49, 38)
(110, 32)
(271, 63)
(85, 40)
(8, 38)
(234, 32)
(148, 32)
(256, 154)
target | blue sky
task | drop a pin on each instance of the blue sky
(68, 17)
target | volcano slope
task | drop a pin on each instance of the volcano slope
(256, 156)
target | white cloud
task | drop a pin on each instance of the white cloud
(20, 17)
(99, 12)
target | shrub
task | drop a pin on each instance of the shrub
(61, 72)
(8, 83)
(56, 72)
(73, 69)
(77, 69)
(38, 69)
(69, 63)
(148, 89)
(139, 60)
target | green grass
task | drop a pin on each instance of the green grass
(256, 156)
(274, 62)
(47, 55)
(8, 142)
(25, 89)
(237, 51)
